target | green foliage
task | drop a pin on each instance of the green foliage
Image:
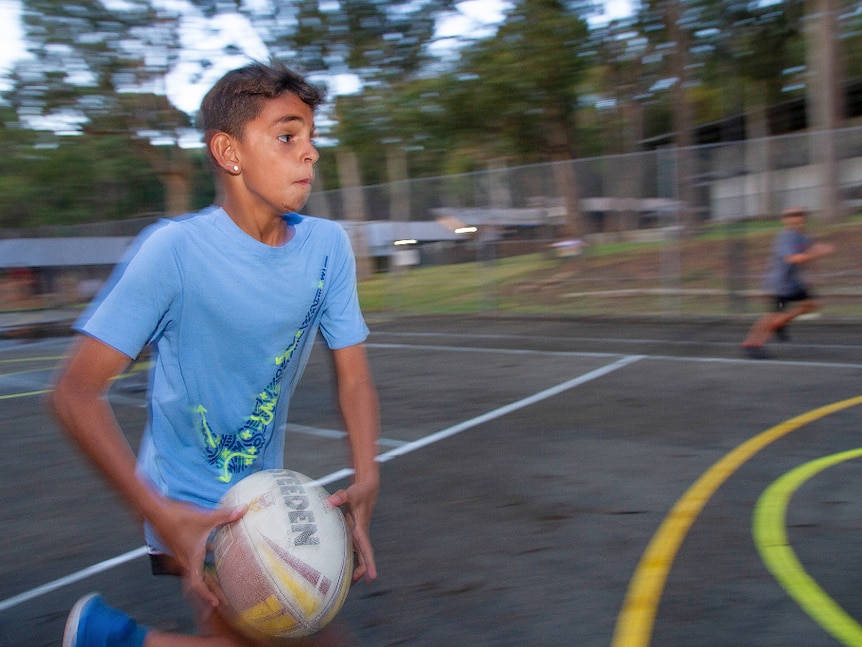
(73, 180)
(518, 91)
(511, 96)
(545, 86)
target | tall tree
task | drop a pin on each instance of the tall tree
(386, 46)
(50, 180)
(825, 100)
(765, 45)
(669, 25)
(99, 70)
(518, 92)
(622, 79)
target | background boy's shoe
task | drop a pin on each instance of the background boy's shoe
(781, 334)
(755, 352)
(92, 623)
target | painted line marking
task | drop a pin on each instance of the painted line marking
(26, 394)
(770, 537)
(603, 340)
(668, 358)
(637, 616)
(132, 372)
(26, 372)
(405, 448)
(27, 360)
(74, 577)
(335, 434)
(503, 351)
(509, 408)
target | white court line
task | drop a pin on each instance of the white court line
(668, 358)
(502, 351)
(334, 434)
(406, 448)
(74, 577)
(509, 408)
(604, 340)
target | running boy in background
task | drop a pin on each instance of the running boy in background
(230, 299)
(783, 281)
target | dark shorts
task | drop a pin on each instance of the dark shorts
(162, 564)
(780, 303)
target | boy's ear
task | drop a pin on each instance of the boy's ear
(224, 152)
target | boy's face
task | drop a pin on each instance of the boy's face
(795, 220)
(277, 155)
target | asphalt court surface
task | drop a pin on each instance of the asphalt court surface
(545, 482)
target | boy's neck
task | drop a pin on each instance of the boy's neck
(273, 231)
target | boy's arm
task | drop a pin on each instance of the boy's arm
(357, 399)
(812, 253)
(80, 404)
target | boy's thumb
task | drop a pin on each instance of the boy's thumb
(229, 515)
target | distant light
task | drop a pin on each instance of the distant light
(466, 230)
(406, 241)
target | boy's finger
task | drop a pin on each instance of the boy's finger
(365, 553)
(224, 516)
(199, 586)
(338, 498)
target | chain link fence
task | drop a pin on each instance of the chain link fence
(664, 232)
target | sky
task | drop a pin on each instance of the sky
(188, 82)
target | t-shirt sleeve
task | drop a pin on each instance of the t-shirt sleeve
(135, 305)
(790, 243)
(342, 323)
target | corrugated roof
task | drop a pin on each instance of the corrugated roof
(62, 252)
(381, 234)
(108, 250)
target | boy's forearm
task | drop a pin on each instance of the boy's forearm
(79, 403)
(92, 426)
(361, 415)
(357, 400)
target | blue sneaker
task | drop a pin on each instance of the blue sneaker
(92, 623)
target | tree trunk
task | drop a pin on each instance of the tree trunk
(354, 209)
(565, 178)
(683, 120)
(824, 99)
(173, 167)
(178, 192)
(758, 156)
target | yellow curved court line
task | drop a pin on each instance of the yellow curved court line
(22, 360)
(136, 368)
(770, 537)
(637, 616)
(26, 394)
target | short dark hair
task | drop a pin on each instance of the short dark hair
(794, 212)
(238, 97)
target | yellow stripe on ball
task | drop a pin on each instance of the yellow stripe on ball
(269, 616)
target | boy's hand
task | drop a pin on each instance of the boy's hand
(822, 249)
(185, 529)
(359, 499)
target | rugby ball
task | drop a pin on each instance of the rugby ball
(284, 568)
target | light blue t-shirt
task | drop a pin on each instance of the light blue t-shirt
(783, 278)
(232, 322)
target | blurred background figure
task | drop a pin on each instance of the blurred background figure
(789, 295)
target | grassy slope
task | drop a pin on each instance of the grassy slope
(715, 273)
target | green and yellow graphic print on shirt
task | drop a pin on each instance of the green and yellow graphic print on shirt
(235, 453)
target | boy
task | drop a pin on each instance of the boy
(783, 281)
(230, 299)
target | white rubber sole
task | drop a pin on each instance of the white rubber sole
(70, 633)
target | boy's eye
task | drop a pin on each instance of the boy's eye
(285, 138)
